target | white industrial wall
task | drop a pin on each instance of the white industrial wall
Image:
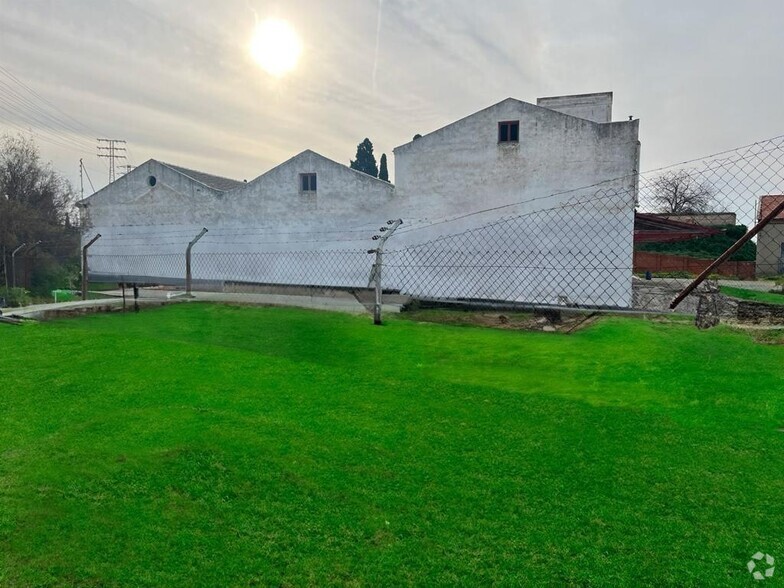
(586, 247)
(268, 232)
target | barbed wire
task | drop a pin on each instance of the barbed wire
(584, 248)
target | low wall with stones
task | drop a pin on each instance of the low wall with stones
(758, 312)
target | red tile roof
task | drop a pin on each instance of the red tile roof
(768, 203)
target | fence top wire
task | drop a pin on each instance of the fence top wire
(218, 254)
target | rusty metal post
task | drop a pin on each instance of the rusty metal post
(724, 256)
(188, 274)
(375, 275)
(85, 268)
(85, 281)
(27, 265)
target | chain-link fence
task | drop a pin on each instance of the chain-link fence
(598, 247)
(725, 195)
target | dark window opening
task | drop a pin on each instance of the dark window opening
(152, 181)
(509, 131)
(307, 182)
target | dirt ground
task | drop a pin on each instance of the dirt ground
(761, 333)
(569, 322)
(518, 321)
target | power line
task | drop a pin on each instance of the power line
(45, 101)
(26, 109)
(23, 103)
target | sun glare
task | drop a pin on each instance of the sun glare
(275, 46)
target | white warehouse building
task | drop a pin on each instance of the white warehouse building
(504, 204)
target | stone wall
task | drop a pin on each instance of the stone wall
(758, 312)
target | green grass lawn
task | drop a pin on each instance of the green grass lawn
(755, 295)
(212, 445)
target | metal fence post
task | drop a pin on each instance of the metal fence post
(13, 264)
(375, 276)
(188, 275)
(85, 269)
(27, 264)
(724, 256)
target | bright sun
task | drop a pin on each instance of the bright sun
(275, 46)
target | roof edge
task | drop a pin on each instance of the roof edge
(182, 171)
(324, 157)
(550, 110)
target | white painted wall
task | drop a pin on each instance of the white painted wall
(145, 230)
(132, 201)
(596, 107)
(770, 249)
(268, 232)
(462, 168)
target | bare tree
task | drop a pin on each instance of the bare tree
(681, 192)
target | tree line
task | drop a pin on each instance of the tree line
(36, 222)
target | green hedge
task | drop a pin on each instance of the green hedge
(708, 247)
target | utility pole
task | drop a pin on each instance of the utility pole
(111, 149)
(81, 180)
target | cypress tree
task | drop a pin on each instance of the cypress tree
(365, 161)
(383, 172)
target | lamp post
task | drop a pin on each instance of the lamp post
(13, 264)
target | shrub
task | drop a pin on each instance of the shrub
(14, 296)
(679, 274)
(708, 247)
(49, 274)
(735, 231)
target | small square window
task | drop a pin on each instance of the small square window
(307, 183)
(509, 131)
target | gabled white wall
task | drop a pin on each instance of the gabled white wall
(462, 166)
(131, 200)
(559, 158)
(275, 196)
(267, 231)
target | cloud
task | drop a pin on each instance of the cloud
(175, 80)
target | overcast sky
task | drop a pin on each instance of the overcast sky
(175, 78)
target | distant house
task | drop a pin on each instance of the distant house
(661, 228)
(703, 219)
(770, 240)
(512, 160)
(654, 233)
